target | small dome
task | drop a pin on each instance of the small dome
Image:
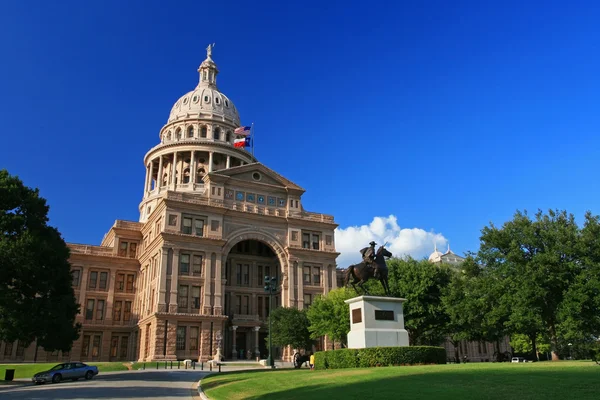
(436, 256)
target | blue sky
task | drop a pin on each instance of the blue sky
(444, 115)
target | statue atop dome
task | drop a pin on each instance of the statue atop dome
(209, 51)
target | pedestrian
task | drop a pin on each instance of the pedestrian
(311, 363)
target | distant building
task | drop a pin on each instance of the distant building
(471, 351)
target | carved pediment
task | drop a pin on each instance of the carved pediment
(256, 174)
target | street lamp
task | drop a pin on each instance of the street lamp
(271, 288)
(570, 351)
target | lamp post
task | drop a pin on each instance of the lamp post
(271, 288)
(570, 351)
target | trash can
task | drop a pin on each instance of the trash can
(9, 374)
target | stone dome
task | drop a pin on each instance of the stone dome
(436, 256)
(206, 101)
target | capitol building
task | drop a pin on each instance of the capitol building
(188, 277)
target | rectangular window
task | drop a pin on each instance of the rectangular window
(183, 296)
(89, 310)
(186, 227)
(123, 350)
(103, 280)
(93, 280)
(266, 306)
(85, 347)
(306, 274)
(315, 242)
(260, 282)
(197, 265)
(133, 248)
(328, 240)
(127, 311)
(184, 264)
(172, 220)
(120, 286)
(238, 274)
(199, 227)
(246, 274)
(246, 305)
(267, 271)
(117, 310)
(114, 345)
(75, 274)
(316, 276)
(214, 225)
(196, 297)
(306, 240)
(181, 338)
(100, 310)
(238, 304)
(307, 300)
(260, 306)
(194, 338)
(96, 346)
(123, 249)
(129, 286)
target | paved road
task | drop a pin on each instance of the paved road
(149, 384)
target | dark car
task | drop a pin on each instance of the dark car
(71, 370)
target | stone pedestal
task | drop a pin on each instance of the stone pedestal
(376, 322)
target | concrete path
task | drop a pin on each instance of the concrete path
(148, 384)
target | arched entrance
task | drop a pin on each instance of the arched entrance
(248, 259)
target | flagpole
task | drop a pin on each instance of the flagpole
(252, 136)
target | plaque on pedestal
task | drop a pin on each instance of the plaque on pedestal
(376, 321)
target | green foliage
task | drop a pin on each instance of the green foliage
(36, 297)
(329, 315)
(421, 283)
(379, 356)
(289, 328)
(523, 344)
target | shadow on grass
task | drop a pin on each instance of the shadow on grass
(576, 383)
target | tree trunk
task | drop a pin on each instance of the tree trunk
(554, 343)
(36, 350)
(498, 355)
(534, 345)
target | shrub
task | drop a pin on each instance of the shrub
(379, 356)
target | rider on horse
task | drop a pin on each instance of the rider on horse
(368, 254)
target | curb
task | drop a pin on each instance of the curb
(201, 393)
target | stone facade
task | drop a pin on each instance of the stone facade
(188, 277)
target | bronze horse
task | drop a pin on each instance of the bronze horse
(362, 272)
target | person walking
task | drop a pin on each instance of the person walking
(312, 361)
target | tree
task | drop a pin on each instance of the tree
(289, 327)
(329, 315)
(546, 274)
(421, 283)
(36, 297)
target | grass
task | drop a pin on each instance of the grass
(28, 370)
(492, 381)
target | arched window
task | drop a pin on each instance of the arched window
(203, 131)
(178, 133)
(200, 175)
(228, 136)
(164, 180)
(191, 131)
(217, 134)
(186, 176)
(169, 135)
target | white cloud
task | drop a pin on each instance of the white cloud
(415, 242)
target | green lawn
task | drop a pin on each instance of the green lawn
(28, 370)
(544, 380)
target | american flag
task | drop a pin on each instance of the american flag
(242, 130)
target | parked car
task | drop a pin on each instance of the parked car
(518, 359)
(72, 370)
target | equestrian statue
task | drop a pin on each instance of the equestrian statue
(372, 266)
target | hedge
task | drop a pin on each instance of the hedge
(379, 357)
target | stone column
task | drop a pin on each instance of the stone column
(334, 277)
(171, 340)
(174, 282)
(160, 172)
(326, 279)
(206, 304)
(162, 285)
(234, 346)
(146, 188)
(218, 304)
(193, 168)
(210, 161)
(228, 164)
(111, 296)
(256, 348)
(174, 169)
(300, 286)
(291, 267)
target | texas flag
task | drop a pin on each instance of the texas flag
(242, 131)
(243, 142)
